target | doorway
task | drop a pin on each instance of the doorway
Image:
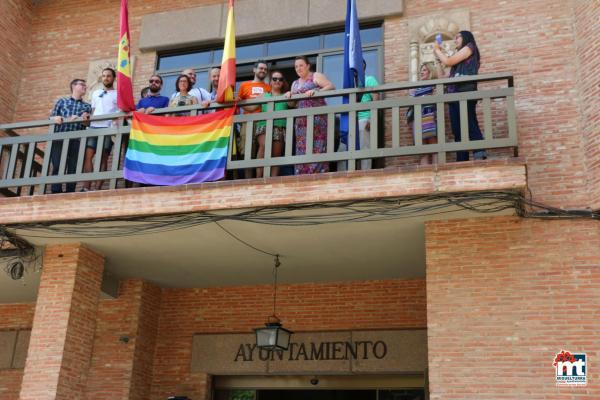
(326, 387)
(366, 394)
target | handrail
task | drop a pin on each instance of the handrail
(24, 163)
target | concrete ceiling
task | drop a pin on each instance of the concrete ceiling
(205, 255)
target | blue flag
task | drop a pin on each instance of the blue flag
(354, 72)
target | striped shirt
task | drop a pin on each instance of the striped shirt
(428, 118)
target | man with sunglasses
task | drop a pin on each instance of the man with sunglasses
(153, 100)
(104, 101)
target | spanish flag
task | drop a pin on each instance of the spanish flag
(178, 150)
(227, 77)
(124, 86)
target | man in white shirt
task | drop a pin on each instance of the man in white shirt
(104, 101)
(199, 93)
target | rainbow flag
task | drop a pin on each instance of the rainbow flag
(124, 86)
(170, 151)
(227, 77)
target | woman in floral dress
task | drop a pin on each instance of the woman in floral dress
(309, 83)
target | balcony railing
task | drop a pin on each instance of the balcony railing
(25, 158)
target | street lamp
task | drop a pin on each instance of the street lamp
(273, 336)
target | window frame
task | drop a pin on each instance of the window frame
(319, 53)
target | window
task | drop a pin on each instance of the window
(325, 48)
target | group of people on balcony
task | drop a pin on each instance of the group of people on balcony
(465, 61)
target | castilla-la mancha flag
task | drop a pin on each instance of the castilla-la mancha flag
(124, 85)
(227, 77)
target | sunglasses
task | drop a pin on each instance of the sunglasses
(277, 79)
(102, 94)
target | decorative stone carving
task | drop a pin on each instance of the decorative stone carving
(422, 31)
(94, 76)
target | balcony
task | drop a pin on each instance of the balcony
(25, 161)
(198, 235)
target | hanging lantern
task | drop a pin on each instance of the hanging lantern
(273, 336)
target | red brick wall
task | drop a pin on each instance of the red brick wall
(146, 339)
(16, 316)
(535, 40)
(66, 35)
(64, 322)
(15, 20)
(13, 317)
(302, 307)
(119, 369)
(272, 192)
(504, 296)
(587, 29)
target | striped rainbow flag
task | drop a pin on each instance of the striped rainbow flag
(170, 151)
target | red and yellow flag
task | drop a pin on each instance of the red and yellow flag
(124, 85)
(227, 77)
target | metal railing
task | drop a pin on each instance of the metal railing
(25, 159)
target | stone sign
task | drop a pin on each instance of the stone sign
(389, 351)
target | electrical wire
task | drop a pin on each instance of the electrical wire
(20, 254)
(306, 215)
(246, 243)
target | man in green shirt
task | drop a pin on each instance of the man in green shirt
(364, 125)
(364, 119)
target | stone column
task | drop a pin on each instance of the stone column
(64, 323)
(414, 61)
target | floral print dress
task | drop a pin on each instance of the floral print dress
(319, 128)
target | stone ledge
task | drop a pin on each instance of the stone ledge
(507, 174)
(206, 24)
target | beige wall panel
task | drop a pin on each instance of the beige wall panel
(7, 346)
(406, 351)
(254, 18)
(325, 12)
(392, 351)
(164, 30)
(21, 349)
(216, 354)
(299, 364)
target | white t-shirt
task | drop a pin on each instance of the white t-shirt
(104, 102)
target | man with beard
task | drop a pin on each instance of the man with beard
(153, 100)
(251, 90)
(104, 101)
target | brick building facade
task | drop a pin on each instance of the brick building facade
(499, 295)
